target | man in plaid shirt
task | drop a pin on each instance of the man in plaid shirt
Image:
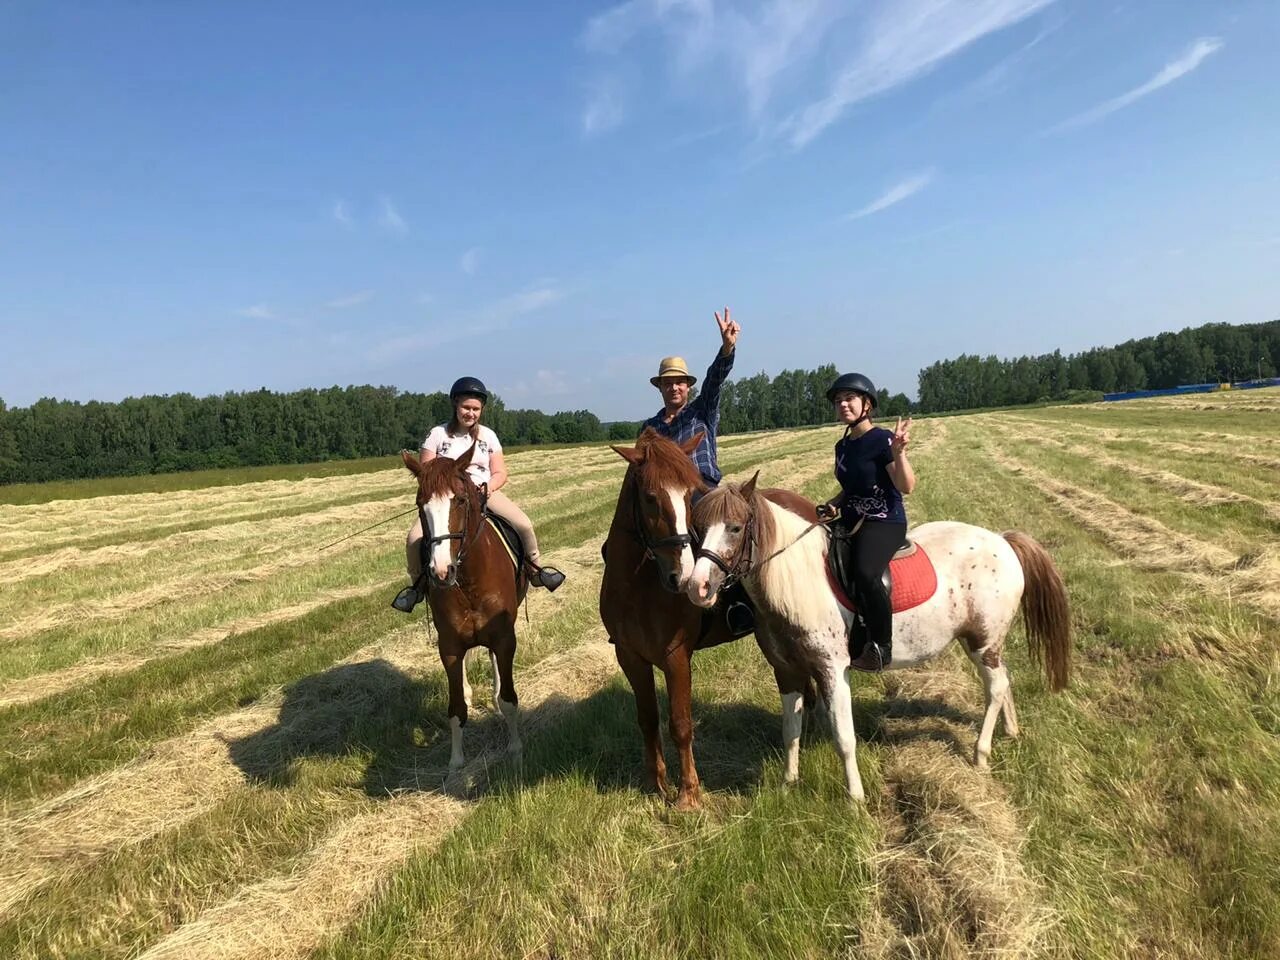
(679, 419)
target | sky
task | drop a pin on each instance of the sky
(206, 197)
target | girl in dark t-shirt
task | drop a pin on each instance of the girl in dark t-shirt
(874, 472)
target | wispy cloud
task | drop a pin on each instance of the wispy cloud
(259, 311)
(354, 300)
(798, 66)
(1196, 54)
(488, 318)
(896, 194)
(342, 214)
(390, 218)
(545, 383)
(603, 110)
(469, 262)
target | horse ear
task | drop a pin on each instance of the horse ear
(629, 454)
(411, 462)
(748, 489)
(691, 444)
(464, 461)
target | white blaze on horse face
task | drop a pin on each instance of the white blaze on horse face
(702, 589)
(437, 515)
(682, 528)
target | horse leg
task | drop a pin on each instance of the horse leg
(834, 687)
(792, 688)
(640, 676)
(466, 682)
(995, 681)
(503, 656)
(454, 668)
(1010, 714)
(680, 695)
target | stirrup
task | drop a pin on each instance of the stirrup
(548, 577)
(407, 599)
(872, 659)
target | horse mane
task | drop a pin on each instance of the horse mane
(666, 465)
(440, 477)
(793, 582)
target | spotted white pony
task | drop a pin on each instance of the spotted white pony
(779, 553)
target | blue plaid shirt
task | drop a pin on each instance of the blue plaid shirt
(702, 415)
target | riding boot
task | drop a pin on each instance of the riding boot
(548, 577)
(407, 599)
(739, 614)
(877, 612)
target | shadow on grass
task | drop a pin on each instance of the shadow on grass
(398, 723)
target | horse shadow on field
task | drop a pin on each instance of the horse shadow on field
(397, 727)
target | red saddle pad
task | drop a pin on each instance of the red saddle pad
(914, 582)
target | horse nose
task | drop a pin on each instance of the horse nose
(673, 579)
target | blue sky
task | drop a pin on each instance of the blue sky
(210, 197)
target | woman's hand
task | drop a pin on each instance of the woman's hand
(828, 512)
(901, 437)
(728, 333)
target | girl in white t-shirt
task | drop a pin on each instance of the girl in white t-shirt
(487, 466)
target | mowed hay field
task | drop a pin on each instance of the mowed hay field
(217, 740)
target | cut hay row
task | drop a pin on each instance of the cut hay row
(1191, 491)
(950, 876)
(289, 916)
(1148, 540)
(179, 779)
(34, 688)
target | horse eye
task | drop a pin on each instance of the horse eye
(735, 529)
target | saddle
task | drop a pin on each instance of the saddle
(510, 539)
(910, 568)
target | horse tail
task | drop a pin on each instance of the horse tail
(1044, 609)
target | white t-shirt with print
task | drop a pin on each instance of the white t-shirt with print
(444, 444)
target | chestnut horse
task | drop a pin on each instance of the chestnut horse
(982, 580)
(473, 589)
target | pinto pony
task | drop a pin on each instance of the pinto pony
(472, 587)
(982, 580)
(649, 558)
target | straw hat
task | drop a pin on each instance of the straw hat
(673, 367)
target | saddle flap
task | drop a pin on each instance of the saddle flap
(510, 538)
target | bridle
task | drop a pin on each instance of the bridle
(677, 541)
(464, 535)
(744, 563)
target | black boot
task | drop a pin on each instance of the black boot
(739, 614)
(407, 599)
(877, 612)
(548, 577)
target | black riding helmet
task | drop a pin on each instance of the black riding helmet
(855, 382)
(468, 387)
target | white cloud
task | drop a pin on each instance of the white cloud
(1196, 54)
(390, 217)
(545, 383)
(903, 41)
(259, 311)
(469, 262)
(342, 214)
(603, 110)
(896, 194)
(354, 300)
(804, 62)
(486, 319)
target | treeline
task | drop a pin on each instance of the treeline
(1213, 353)
(62, 439)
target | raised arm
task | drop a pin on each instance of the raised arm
(718, 372)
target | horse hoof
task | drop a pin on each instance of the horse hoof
(687, 803)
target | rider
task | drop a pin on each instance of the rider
(874, 472)
(679, 419)
(487, 467)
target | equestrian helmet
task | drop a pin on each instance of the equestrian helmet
(468, 387)
(855, 382)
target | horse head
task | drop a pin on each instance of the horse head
(727, 521)
(662, 481)
(449, 507)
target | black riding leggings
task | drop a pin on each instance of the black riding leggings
(871, 549)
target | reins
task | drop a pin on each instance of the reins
(370, 527)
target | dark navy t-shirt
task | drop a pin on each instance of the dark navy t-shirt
(861, 469)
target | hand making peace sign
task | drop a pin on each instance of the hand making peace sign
(728, 332)
(901, 437)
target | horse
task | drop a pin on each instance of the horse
(643, 606)
(982, 579)
(473, 590)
